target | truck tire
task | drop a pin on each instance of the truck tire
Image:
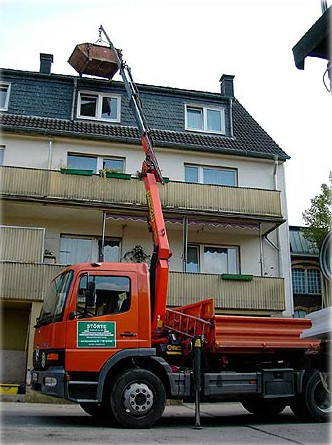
(313, 404)
(136, 399)
(264, 407)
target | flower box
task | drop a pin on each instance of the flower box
(118, 175)
(236, 277)
(75, 171)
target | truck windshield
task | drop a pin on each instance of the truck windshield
(55, 299)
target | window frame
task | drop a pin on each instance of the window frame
(2, 154)
(8, 85)
(198, 250)
(306, 269)
(200, 174)
(99, 96)
(201, 262)
(96, 245)
(204, 109)
(100, 307)
(100, 160)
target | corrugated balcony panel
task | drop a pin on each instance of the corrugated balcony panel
(24, 181)
(221, 198)
(261, 293)
(174, 195)
(21, 243)
(26, 281)
(94, 188)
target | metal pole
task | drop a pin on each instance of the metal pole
(197, 380)
(185, 243)
(101, 253)
(261, 249)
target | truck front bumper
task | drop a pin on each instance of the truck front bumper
(51, 382)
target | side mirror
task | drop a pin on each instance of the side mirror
(90, 294)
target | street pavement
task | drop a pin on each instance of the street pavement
(224, 423)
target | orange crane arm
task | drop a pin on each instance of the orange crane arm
(151, 173)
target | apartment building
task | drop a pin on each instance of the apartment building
(70, 155)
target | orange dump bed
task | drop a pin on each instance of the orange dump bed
(245, 334)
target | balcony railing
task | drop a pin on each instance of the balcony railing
(52, 186)
(29, 281)
(259, 294)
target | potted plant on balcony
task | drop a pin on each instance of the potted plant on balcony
(136, 255)
(112, 173)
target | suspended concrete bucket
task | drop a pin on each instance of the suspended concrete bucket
(94, 60)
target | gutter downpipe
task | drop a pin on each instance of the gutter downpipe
(275, 176)
(50, 153)
(277, 246)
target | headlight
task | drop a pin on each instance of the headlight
(50, 381)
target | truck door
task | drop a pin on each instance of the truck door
(103, 319)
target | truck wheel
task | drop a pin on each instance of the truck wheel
(264, 407)
(137, 399)
(314, 403)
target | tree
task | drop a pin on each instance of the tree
(318, 217)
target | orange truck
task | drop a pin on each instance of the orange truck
(106, 340)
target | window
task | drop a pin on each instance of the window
(218, 260)
(99, 106)
(306, 281)
(210, 175)
(2, 151)
(192, 259)
(55, 299)
(111, 295)
(94, 163)
(206, 119)
(114, 164)
(82, 162)
(4, 95)
(212, 259)
(87, 249)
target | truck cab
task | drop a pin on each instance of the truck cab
(91, 312)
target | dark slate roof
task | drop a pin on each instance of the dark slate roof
(299, 245)
(42, 104)
(249, 138)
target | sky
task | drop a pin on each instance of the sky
(190, 44)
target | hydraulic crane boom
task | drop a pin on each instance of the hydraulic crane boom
(151, 175)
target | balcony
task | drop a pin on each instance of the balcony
(176, 197)
(28, 282)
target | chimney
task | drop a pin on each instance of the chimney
(226, 85)
(46, 61)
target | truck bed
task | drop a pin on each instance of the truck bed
(232, 333)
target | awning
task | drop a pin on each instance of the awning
(191, 222)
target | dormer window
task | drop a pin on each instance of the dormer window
(4, 95)
(205, 119)
(99, 106)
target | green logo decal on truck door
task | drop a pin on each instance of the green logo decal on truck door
(96, 334)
